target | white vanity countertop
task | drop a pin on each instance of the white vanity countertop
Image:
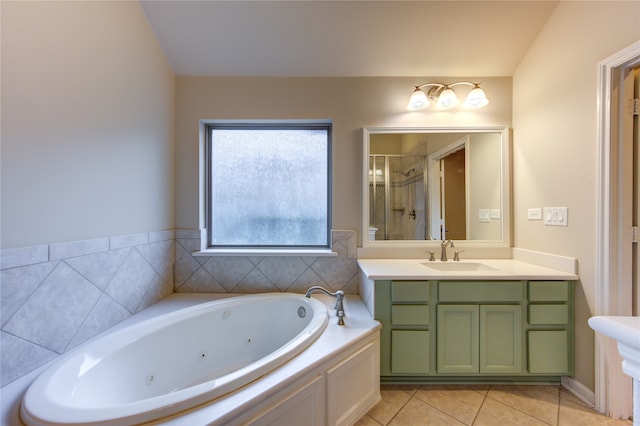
(496, 269)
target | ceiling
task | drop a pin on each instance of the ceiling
(346, 38)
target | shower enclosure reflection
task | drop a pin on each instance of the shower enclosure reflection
(397, 197)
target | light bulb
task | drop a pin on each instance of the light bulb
(418, 101)
(476, 98)
(447, 99)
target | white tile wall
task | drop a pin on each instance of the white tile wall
(56, 296)
(250, 274)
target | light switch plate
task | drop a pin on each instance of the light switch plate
(495, 213)
(484, 215)
(555, 216)
(534, 214)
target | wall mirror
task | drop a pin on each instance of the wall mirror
(425, 184)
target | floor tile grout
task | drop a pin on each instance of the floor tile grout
(484, 398)
(522, 401)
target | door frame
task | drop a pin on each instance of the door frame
(612, 390)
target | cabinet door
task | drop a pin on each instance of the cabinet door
(457, 347)
(500, 339)
(409, 351)
(353, 387)
(548, 352)
(302, 406)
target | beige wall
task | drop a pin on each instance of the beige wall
(485, 169)
(555, 144)
(87, 123)
(352, 103)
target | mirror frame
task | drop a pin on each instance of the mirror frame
(505, 179)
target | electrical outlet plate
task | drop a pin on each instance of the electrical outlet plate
(495, 213)
(534, 214)
(556, 216)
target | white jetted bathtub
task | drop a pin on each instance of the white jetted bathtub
(175, 361)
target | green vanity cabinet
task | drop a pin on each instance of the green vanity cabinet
(484, 337)
(479, 339)
(550, 327)
(404, 308)
(475, 330)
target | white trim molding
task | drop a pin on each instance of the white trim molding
(608, 378)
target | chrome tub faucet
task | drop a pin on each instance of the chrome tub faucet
(339, 295)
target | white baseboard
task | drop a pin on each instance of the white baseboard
(583, 393)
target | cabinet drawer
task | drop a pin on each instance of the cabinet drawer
(409, 291)
(480, 291)
(549, 291)
(548, 314)
(409, 352)
(410, 314)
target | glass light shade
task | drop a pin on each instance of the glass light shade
(476, 98)
(447, 99)
(418, 101)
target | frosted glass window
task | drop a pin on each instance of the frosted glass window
(269, 185)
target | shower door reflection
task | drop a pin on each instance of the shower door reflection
(397, 198)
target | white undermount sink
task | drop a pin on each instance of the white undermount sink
(458, 266)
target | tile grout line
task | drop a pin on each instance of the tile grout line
(558, 409)
(400, 409)
(516, 409)
(436, 408)
(484, 398)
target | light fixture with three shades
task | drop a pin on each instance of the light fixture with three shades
(445, 97)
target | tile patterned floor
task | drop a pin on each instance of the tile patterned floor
(482, 405)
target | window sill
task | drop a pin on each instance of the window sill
(266, 252)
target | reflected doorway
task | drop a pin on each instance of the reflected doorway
(453, 200)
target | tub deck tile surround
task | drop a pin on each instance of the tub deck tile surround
(105, 311)
(56, 296)
(81, 288)
(100, 268)
(23, 256)
(159, 255)
(18, 284)
(166, 235)
(132, 240)
(59, 251)
(281, 271)
(128, 285)
(54, 312)
(248, 274)
(20, 357)
(200, 281)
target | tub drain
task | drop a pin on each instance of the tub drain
(302, 312)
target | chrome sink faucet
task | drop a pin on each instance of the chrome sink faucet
(339, 295)
(443, 245)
